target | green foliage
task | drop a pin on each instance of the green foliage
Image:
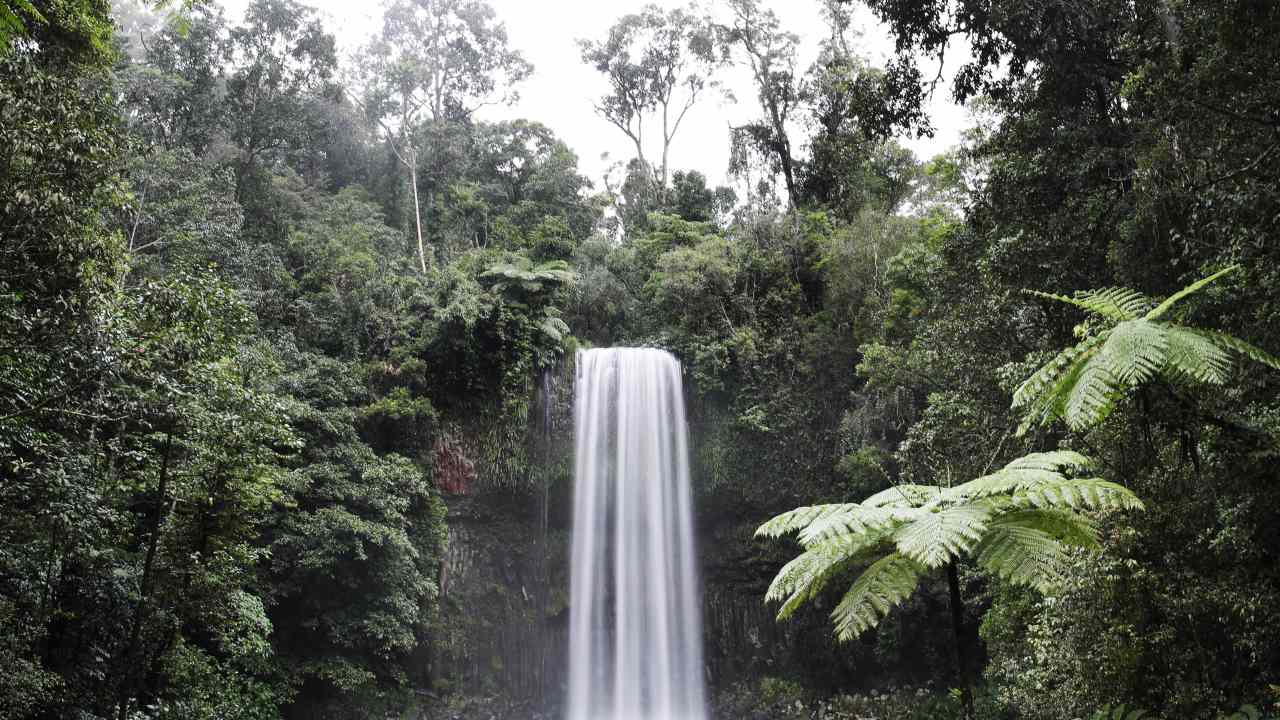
(1082, 384)
(1018, 523)
(12, 22)
(351, 524)
(527, 278)
(1119, 712)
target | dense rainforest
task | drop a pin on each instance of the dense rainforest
(287, 345)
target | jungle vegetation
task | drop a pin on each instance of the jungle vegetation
(269, 318)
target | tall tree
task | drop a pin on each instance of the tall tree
(175, 90)
(285, 61)
(657, 63)
(770, 52)
(435, 62)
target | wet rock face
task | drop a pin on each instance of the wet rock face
(455, 473)
(499, 645)
(501, 629)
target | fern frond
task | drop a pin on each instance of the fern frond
(808, 573)
(1134, 352)
(1066, 526)
(1192, 356)
(801, 517)
(529, 277)
(1022, 474)
(1023, 555)
(1046, 400)
(1075, 493)
(1231, 342)
(1118, 304)
(905, 495)
(852, 519)
(937, 534)
(1055, 460)
(1158, 311)
(554, 328)
(886, 583)
(1034, 387)
(1001, 482)
(1091, 396)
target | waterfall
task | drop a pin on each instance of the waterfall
(635, 627)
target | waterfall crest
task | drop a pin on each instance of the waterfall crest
(635, 626)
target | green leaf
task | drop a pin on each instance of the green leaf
(937, 535)
(886, 583)
(1158, 311)
(1117, 304)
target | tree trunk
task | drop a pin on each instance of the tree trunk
(962, 649)
(417, 210)
(666, 147)
(144, 586)
(788, 171)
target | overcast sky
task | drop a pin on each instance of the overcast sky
(562, 90)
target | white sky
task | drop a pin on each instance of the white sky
(562, 89)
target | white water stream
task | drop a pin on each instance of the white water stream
(635, 626)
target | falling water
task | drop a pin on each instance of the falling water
(635, 631)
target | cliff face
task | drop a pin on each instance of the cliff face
(504, 617)
(500, 637)
(501, 640)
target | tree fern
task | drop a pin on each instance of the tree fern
(1018, 523)
(530, 278)
(806, 575)
(1133, 345)
(1023, 555)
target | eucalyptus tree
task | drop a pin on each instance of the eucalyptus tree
(657, 64)
(435, 62)
(770, 53)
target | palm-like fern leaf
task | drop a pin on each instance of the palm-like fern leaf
(1118, 304)
(797, 519)
(807, 574)
(1066, 526)
(886, 583)
(1022, 475)
(1035, 386)
(1193, 356)
(1023, 555)
(1134, 352)
(529, 277)
(1046, 393)
(1158, 311)
(1056, 460)
(1231, 342)
(1077, 493)
(939, 534)
(847, 520)
(1082, 384)
(905, 495)
(554, 328)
